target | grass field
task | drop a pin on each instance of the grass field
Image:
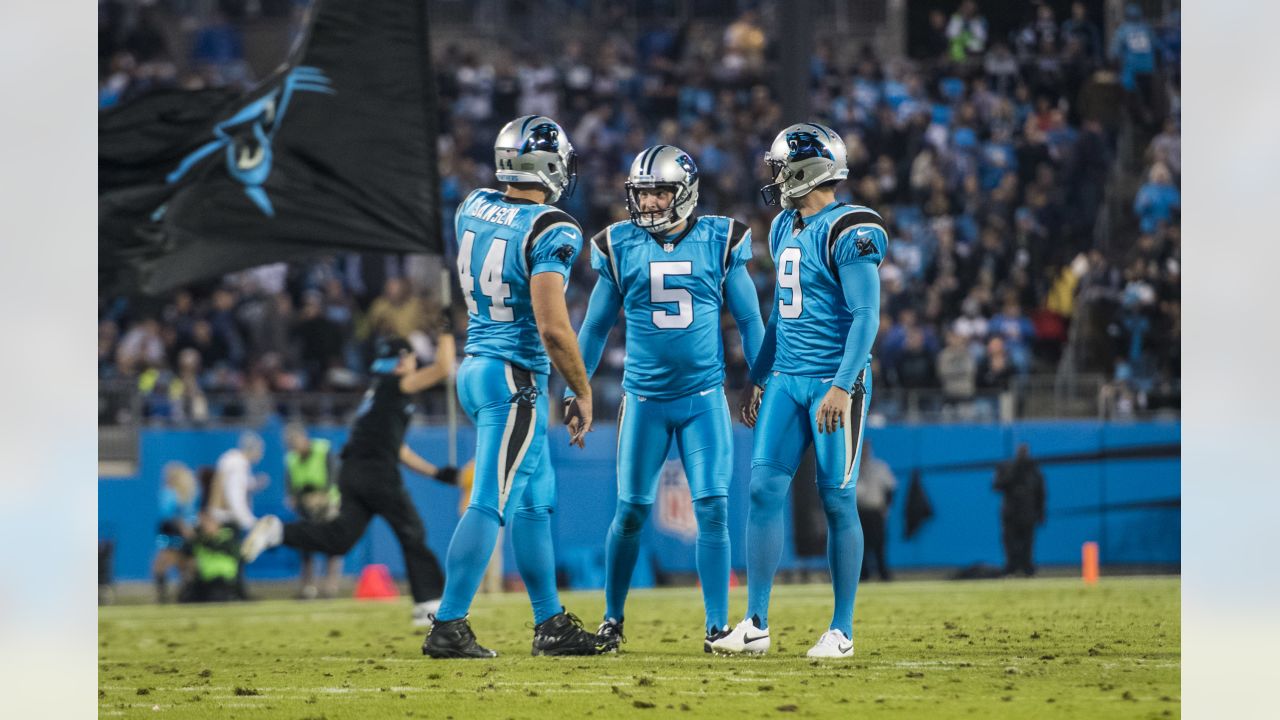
(986, 649)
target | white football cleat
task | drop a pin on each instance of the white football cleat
(424, 613)
(832, 644)
(267, 533)
(745, 638)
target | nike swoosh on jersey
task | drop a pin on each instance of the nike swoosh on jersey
(705, 393)
(827, 380)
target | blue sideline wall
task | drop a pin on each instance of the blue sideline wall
(1130, 505)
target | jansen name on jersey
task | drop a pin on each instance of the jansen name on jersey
(502, 243)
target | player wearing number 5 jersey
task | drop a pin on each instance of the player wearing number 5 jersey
(671, 273)
(814, 368)
(514, 256)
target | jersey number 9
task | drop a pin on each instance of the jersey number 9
(789, 279)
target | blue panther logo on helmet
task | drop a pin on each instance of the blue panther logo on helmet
(543, 137)
(805, 145)
(247, 135)
(686, 163)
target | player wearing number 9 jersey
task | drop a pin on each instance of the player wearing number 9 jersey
(514, 256)
(814, 367)
(671, 274)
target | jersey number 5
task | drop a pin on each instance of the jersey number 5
(490, 278)
(789, 279)
(660, 293)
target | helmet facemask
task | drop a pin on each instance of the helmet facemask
(658, 221)
(771, 194)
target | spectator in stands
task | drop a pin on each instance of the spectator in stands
(1157, 200)
(874, 489)
(967, 31)
(225, 326)
(995, 371)
(190, 403)
(108, 333)
(1080, 28)
(936, 43)
(744, 44)
(141, 347)
(1021, 484)
(1166, 148)
(539, 87)
(397, 311)
(914, 367)
(319, 340)
(957, 370)
(1015, 328)
(1133, 47)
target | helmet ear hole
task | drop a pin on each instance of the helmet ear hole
(551, 167)
(800, 175)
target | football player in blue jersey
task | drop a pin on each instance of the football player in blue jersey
(671, 274)
(814, 372)
(514, 255)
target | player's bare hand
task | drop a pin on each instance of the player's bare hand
(831, 412)
(577, 416)
(749, 404)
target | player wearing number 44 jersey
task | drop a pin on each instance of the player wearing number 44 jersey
(671, 274)
(514, 256)
(814, 371)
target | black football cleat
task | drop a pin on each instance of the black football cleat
(563, 634)
(610, 636)
(714, 635)
(454, 639)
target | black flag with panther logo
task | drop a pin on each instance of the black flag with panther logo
(335, 151)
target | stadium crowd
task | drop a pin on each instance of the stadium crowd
(991, 159)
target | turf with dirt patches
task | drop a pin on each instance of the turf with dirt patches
(984, 649)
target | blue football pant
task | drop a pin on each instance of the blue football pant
(514, 484)
(786, 426)
(700, 427)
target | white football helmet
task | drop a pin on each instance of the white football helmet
(801, 158)
(662, 166)
(535, 149)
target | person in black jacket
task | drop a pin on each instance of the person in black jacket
(1022, 485)
(369, 479)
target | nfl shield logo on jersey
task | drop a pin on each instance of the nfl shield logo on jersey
(675, 503)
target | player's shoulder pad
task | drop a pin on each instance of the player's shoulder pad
(612, 235)
(736, 232)
(551, 218)
(854, 217)
(546, 221)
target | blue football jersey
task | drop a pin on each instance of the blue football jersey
(813, 319)
(672, 294)
(502, 243)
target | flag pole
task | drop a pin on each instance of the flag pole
(450, 390)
